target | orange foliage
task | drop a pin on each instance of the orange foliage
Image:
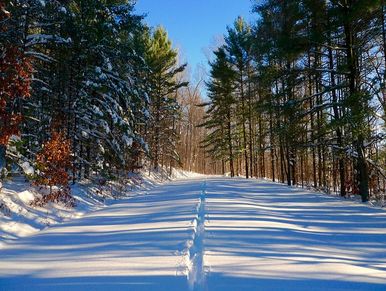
(15, 81)
(52, 163)
(54, 160)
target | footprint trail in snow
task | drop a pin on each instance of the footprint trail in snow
(196, 275)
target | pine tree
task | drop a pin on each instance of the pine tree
(220, 113)
(90, 82)
(161, 59)
(355, 19)
(15, 80)
(239, 46)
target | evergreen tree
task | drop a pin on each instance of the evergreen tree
(163, 84)
(220, 113)
(317, 88)
(238, 46)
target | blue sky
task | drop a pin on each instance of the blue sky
(193, 24)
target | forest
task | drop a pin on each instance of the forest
(88, 89)
(123, 166)
(300, 96)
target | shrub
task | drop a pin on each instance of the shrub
(52, 163)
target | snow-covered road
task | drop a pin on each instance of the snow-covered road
(218, 234)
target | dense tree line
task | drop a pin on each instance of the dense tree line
(299, 96)
(94, 73)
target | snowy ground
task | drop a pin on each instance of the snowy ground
(19, 219)
(207, 234)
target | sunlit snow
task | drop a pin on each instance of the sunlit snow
(207, 234)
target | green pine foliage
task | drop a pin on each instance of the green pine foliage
(102, 77)
(308, 95)
(163, 83)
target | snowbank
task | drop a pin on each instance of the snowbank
(18, 218)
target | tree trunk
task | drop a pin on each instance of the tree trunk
(230, 146)
(383, 11)
(2, 158)
(87, 165)
(250, 134)
(289, 179)
(282, 163)
(272, 147)
(244, 146)
(342, 178)
(357, 107)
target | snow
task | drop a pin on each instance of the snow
(27, 168)
(138, 242)
(128, 140)
(85, 134)
(206, 233)
(35, 39)
(24, 220)
(195, 250)
(109, 65)
(282, 236)
(97, 110)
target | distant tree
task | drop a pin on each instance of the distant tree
(220, 119)
(239, 48)
(163, 84)
(193, 155)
